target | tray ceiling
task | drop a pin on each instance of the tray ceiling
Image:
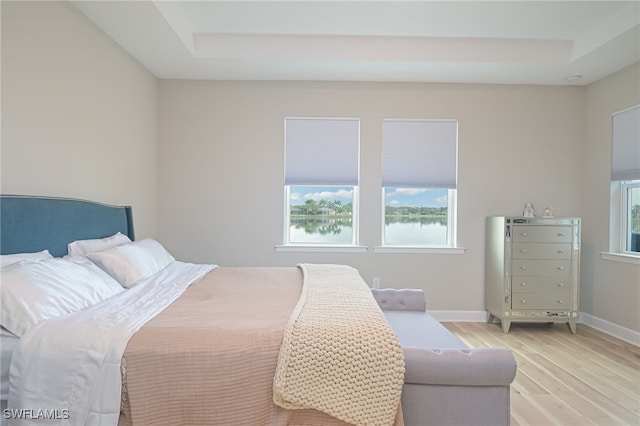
(504, 42)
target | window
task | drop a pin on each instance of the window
(419, 169)
(625, 182)
(321, 181)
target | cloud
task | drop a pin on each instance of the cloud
(406, 192)
(330, 195)
(443, 201)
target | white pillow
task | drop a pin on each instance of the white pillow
(131, 263)
(82, 247)
(9, 259)
(34, 291)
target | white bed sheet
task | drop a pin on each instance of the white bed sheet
(8, 343)
(71, 364)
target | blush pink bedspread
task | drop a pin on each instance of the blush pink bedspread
(211, 356)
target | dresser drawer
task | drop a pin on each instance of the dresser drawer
(541, 251)
(541, 301)
(551, 268)
(525, 284)
(541, 234)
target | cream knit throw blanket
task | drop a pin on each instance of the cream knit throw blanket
(339, 355)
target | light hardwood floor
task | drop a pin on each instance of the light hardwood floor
(589, 378)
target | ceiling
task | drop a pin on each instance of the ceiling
(503, 42)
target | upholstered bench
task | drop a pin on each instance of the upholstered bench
(446, 382)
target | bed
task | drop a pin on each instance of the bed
(178, 343)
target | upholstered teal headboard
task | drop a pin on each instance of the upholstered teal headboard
(30, 223)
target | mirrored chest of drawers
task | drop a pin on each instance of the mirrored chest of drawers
(532, 270)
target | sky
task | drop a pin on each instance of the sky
(395, 197)
(415, 197)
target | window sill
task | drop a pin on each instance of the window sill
(621, 257)
(376, 249)
(417, 250)
(321, 249)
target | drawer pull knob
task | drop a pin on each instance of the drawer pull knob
(523, 284)
(524, 234)
(523, 250)
(560, 234)
(560, 301)
(560, 251)
(560, 284)
(523, 267)
(523, 301)
(560, 268)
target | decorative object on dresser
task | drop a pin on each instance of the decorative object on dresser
(532, 270)
(529, 211)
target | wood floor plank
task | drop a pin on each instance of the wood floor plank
(525, 412)
(589, 378)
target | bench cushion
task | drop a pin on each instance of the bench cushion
(421, 330)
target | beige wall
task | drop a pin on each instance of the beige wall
(221, 195)
(610, 289)
(80, 119)
(79, 115)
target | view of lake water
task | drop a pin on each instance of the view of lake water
(406, 231)
(416, 232)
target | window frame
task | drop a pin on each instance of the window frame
(617, 233)
(625, 174)
(427, 183)
(625, 226)
(287, 244)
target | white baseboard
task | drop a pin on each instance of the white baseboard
(615, 330)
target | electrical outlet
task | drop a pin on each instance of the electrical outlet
(376, 282)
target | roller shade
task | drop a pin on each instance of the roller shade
(419, 153)
(625, 156)
(322, 151)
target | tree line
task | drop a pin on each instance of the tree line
(313, 208)
(415, 211)
(335, 207)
